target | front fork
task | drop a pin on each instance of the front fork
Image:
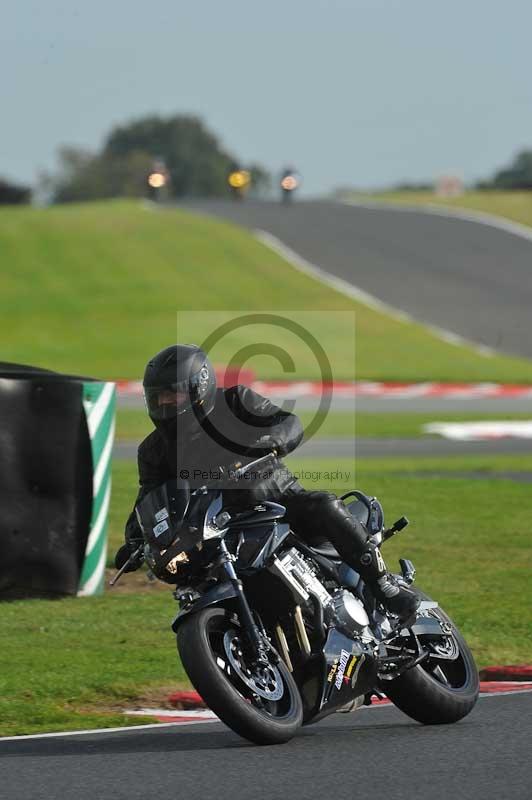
(255, 639)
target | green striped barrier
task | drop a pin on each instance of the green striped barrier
(99, 405)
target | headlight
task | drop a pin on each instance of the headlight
(157, 180)
(289, 183)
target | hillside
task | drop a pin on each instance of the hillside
(97, 288)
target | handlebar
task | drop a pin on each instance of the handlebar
(238, 470)
(233, 472)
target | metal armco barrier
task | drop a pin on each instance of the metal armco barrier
(56, 437)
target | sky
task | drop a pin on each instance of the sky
(361, 93)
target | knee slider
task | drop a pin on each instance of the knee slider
(372, 561)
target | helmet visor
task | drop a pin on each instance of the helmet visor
(172, 400)
(167, 402)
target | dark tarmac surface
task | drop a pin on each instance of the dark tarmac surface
(465, 277)
(385, 448)
(378, 754)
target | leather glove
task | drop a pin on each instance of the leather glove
(125, 552)
(266, 444)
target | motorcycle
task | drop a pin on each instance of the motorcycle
(288, 184)
(274, 633)
(239, 181)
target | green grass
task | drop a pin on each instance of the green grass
(75, 663)
(516, 206)
(94, 289)
(134, 425)
(64, 661)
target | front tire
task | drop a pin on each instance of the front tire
(438, 692)
(265, 708)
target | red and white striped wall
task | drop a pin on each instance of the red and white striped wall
(295, 389)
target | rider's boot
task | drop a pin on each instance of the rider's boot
(395, 598)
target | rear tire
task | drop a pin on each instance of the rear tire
(437, 697)
(200, 642)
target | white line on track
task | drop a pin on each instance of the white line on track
(58, 734)
(361, 296)
(159, 725)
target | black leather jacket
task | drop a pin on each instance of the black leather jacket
(240, 418)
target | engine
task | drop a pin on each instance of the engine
(301, 571)
(350, 613)
(341, 607)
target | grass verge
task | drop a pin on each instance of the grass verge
(515, 206)
(134, 425)
(75, 663)
(102, 284)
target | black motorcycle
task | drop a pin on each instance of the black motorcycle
(274, 633)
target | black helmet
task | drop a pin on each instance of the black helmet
(179, 381)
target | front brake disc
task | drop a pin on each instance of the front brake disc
(265, 680)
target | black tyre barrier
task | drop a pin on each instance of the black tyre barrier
(56, 434)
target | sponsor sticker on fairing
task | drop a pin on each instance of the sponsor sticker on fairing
(161, 514)
(160, 528)
(344, 658)
(350, 668)
(332, 671)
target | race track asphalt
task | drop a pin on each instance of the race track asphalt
(463, 276)
(365, 447)
(373, 754)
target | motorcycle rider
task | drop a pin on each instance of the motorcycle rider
(199, 427)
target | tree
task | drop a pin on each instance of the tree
(517, 176)
(85, 176)
(194, 160)
(260, 180)
(12, 193)
(196, 163)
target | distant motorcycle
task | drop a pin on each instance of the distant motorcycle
(274, 633)
(239, 181)
(289, 183)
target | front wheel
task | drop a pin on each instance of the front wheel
(259, 702)
(442, 689)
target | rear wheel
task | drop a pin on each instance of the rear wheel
(443, 688)
(260, 702)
